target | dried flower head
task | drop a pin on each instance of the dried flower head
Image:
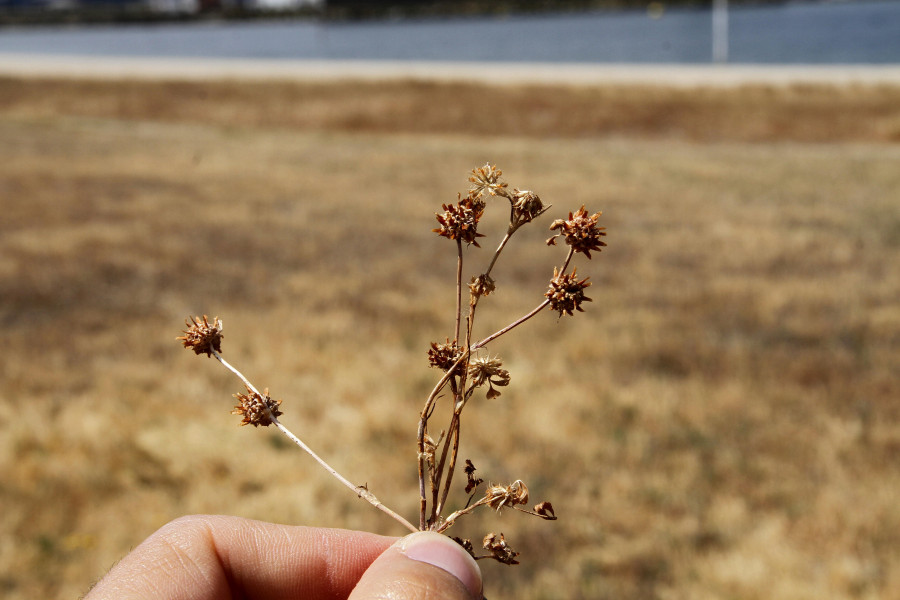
(487, 179)
(515, 493)
(487, 370)
(460, 221)
(581, 232)
(257, 409)
(482, 285)
(499, 549)
(201, 336)
(566, 293)
(526, 206)
(444, 356)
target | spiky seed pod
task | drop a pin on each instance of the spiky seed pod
(499, 549)
(487, 179)
(482, 285)
(566, 293)
(253, 407)
(460, 221)
(444, 356)
(526, 206)
(581, 232)
(201, 336)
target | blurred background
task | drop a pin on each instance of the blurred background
(685, 31)
(722, 422)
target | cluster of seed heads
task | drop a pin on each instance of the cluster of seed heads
(463, 370)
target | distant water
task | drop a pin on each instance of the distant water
(861, 31)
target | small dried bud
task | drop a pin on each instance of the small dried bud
(472, 481)
(487, 179)
(514, 494)
(545, 511)
(460, 221)
(488, 370)
(201, 336)
(581, 232)
(566, 293)
(499, 549)
(444, 356)
(526, 206)
(257, 409)
(483, 285)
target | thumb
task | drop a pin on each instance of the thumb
(421, 566)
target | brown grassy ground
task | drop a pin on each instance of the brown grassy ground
(723, 422)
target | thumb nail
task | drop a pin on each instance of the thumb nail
(442, 552)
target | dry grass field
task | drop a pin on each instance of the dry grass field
(722, 422)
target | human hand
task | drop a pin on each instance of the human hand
(217, 557)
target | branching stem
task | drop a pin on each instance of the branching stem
(359, 490)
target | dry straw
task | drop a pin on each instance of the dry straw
(463, 372)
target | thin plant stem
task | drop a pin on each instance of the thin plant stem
(448, 522)
(420, 437)
(510, 327)
(423, 501)
(518, 322)
(568, 260)
(499, 250)
(459, 271)
(455, 423)
(439, 467)
(360, 491)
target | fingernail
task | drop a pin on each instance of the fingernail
(440, 551)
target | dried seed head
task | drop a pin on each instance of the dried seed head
(201, 336)
(483, 285)
(514, 494)
(253, 407)
(460, 221)
(581, 232)
(487, 370)
(526, 206)
(487, 179)
(499, 549)
(444, 356)
(566, 293)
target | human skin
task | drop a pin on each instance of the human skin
(214, 557)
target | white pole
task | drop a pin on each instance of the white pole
(720, 31)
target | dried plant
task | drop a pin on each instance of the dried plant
(464, 372)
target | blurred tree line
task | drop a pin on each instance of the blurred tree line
(23, 12)
(378, 8)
